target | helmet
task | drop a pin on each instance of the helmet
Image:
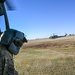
(13, 40)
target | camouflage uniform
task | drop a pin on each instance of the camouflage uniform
(6, 62)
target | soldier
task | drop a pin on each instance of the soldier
(8, 48)
(6, 62)
(10, 44)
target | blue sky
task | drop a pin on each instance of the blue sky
(42, 18)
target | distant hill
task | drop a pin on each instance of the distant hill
(68, 41)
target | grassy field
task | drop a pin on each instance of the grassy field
(47, 57)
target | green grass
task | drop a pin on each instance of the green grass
(49, 61)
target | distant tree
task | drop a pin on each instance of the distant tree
(71, 34)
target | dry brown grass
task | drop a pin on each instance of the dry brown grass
(48, 43)
(47, 57)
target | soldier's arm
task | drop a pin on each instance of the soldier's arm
(5, 66)
(6, 63)
(9, 67)
(1, 65)
(3, 61)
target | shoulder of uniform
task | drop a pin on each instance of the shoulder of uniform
(2, 47)
(4, 52)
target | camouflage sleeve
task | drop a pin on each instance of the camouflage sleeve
(9, 67)
(6, 63)
(1, 66)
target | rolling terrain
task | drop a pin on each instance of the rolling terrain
(47, 57)
(47, 43)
